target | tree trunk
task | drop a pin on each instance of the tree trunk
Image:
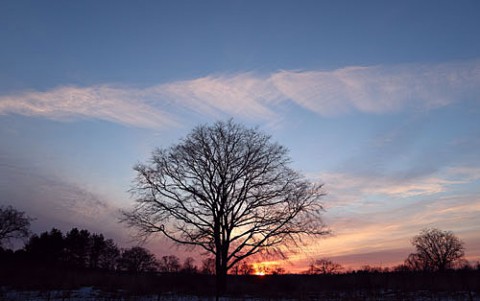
(220, 273)
(221, 264)
(221, 283)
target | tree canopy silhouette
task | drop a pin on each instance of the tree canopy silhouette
(137, 259)
(76, 249)
(324, 266)
(436, 250)
(228, 190)
(14, 224)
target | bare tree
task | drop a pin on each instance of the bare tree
(244, 268)
(189, 266)
(324, 266)
(266, 269)
(14, 224)
(277, 270)
(436, 250)
(229, 190)
(137, 259)
(208, 266)
(169, 264)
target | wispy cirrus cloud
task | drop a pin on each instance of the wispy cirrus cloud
(375, 89)
(380, 89)
(344, 188)
(242, 95)
(118, 105)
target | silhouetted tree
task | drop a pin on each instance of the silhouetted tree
(47, 248)
(324, 266)
(229, 190)
(371, 269)
(264, 269)
(77, 247)
(243, 268)
(401, 268)
(208, 266)
(169, 264)
(277, 270)
(136, 260)
(436, 250)
(109, 256)
(14, 224)
(189, 266)
(97, 246)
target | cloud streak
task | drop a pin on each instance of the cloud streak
(380, 89)
(370, 90)
(347, 188)
(118, 105)
(238, 95)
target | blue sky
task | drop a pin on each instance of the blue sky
(379, 100)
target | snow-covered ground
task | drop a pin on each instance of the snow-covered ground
(92, 294)
(84, 294)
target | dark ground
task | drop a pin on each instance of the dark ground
(449, 285)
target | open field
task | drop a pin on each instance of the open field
(90, 294)
(74, 286)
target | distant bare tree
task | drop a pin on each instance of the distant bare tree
(324, 266)
(208, 266)
(401, 268)
(372, 269)
(137, 259)
(263, 269)
(276, 270)
(169, 264)
(229, 190)
(436, 250)
(414, 263)
(244, 268)
(14, 224)
(189, 266)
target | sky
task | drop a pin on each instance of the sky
(378, 100)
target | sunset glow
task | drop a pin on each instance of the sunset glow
(377, 100)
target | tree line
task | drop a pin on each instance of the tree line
(80, 249)
(435, 250)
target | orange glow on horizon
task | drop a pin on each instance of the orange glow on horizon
(267, 268)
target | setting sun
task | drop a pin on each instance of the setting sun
(267, 268)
